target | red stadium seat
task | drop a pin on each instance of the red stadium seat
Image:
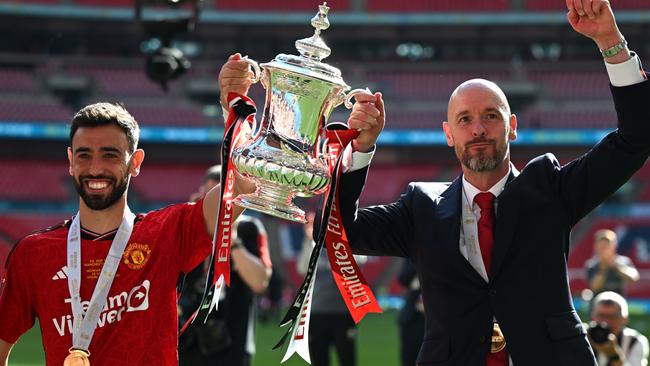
(181, 116)
(385, 183)
(634, 242)
(281, 5)
(128, 3)
(16, 80)
(16, 226)
(572, 84)
(35, 180)
(34, 110)
(169, 183)
(425, 85)
(436, 6)
(120, 81)
(560, 5)
(567, 118)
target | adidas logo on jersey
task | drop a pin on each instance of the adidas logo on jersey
(62, 274)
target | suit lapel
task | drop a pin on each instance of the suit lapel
(448, 219)
(507, 212)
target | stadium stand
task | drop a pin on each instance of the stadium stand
(16, 80)
(553, 5)
(280, 5)
(16, 226)
(105, 2)
(436, 6)
(554, 117)
(633, 242)
(41, 109)
(425, 85)
(168, 183)
(119, 81)
(387, 182)
(35, 180)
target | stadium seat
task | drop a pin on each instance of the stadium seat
(34, 110)
(128, 3)
(17, 225)
(436, 6)
(35, 180)
(385, 183)
(280, 5)
(16, 80)
(181, 116)
(555, 5)
(168, 183)
(568, 118)
(633, 242)
(120, 81)
(425, 85)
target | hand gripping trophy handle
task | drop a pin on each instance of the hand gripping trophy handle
(351, 94)
(257, 72)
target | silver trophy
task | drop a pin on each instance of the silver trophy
(286, 158)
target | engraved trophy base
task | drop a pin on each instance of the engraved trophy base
(272, 200)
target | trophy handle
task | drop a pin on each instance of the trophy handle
(351, 94)
(257, 73)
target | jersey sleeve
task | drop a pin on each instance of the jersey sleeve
(192, 234)
(17, 304)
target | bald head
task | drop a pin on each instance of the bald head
(479, 84)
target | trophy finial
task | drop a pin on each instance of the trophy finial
(320, 21)
(314, 47)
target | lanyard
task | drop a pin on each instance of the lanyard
(84, 325)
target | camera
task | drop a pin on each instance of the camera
(599, 332)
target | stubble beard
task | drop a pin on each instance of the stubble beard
(482, 162)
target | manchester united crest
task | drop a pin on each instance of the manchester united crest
(136, 255)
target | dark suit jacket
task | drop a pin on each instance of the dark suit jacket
(528, 290)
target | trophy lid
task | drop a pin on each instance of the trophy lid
(312, 51)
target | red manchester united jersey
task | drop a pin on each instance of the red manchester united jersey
(138, 325)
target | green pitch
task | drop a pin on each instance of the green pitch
(377, 344)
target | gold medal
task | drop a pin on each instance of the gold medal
(498, 340)
(77, 357)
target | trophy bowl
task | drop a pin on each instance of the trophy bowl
(285, 157)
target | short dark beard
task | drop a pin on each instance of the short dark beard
(100, 202)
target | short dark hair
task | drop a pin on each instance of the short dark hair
(101, 114)
(214, 173)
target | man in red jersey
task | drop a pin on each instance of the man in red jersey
(118, 269)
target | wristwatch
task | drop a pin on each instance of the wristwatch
(615, 49)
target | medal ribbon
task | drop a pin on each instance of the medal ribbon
(85, 322)
(354, 289)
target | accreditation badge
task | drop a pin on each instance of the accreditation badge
(498, 342)
(77, 357)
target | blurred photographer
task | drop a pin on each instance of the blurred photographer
(615, 344)
(607, 270)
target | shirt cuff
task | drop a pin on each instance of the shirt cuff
(626, 73)
(224, 112)
(356, 160)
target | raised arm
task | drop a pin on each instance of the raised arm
(595, 19)
(615, 159)
(234, 77)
